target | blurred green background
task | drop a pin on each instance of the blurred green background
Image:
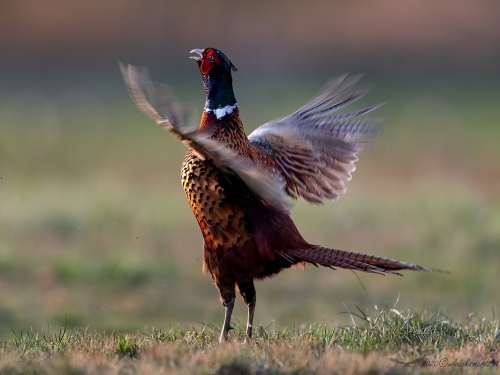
(94, 225)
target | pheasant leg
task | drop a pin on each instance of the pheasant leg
(247, 291)
(227, 320)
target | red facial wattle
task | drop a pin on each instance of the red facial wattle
(208, 61)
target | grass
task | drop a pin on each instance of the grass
(370, 344)
(95, 232)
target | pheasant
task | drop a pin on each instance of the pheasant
(240, 188)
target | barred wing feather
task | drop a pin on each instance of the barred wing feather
(316, 148)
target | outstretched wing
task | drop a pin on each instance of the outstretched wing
(316, 148)
(156, 102)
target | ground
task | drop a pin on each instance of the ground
(97, 237)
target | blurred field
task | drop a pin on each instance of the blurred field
(95, 228)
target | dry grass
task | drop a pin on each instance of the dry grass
(237, 359)
(95, 232)
(369, 346)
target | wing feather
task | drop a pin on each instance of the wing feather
(157, 102)
(315, 148)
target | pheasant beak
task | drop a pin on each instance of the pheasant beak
(199, 52)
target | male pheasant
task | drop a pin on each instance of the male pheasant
(240, 187)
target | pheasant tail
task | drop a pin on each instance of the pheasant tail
(327, 257)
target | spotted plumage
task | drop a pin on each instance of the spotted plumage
(239, 188)
(220, 222)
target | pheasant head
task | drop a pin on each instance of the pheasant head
(216, 70)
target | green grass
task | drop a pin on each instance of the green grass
(365, 346)
(95, 232)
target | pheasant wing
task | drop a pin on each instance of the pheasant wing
(316, 148)
(156, 101)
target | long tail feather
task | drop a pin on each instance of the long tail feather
(355, 261)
